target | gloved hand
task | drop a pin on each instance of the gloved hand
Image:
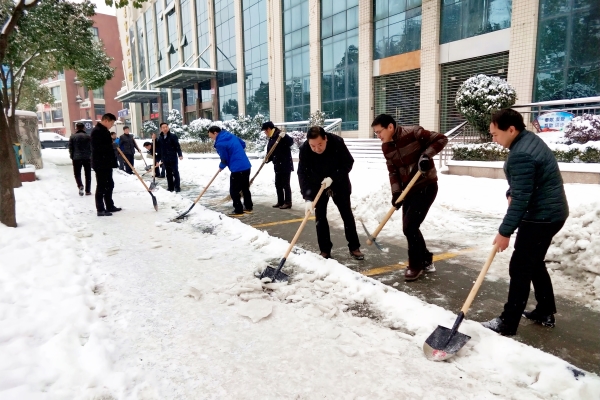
(327, 181)
(282, 135)
(308, 207)
(395, 196)
(424, 163)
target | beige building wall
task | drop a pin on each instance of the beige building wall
(239, 49)
(275, 47)
(366, 103)
(314, 33)
(430, 69)
(523, 40)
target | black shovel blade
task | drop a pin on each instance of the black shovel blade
(371, 238)
(443, 344)
(154, 202)
(148, 167)
(152, 186)
(275, 274)
(185, 213)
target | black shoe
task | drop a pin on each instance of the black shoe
(545, 320)
(286, 206)
(357, 254)
(247, 211)
(276, 205)
(88, 193)
(114, 209)
(81, 190)
(104, 213)
(236, 214)
(177, 190)
(498, 326)
(325, 255)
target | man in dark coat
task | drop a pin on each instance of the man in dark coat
(103, 161)
(128, 146)
(169, 150)
(80, 151)
(324, 155)
(232, 154)
(409, 150)
(537, 206)
(283, 163)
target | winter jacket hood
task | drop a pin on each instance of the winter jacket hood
(231, 151)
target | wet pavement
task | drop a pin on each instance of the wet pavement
(576, 337)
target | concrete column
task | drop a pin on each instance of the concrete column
(275, 52)
(430, 65)
(239, 49)
(194, 43)
(523, 41)
(366, 104)
(314, 33)
(213, 58)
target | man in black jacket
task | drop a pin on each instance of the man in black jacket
(282, 163)
(168, 149)
(128, 146)
(80, 151)
(322, 156)
(103, 161)
(537, 205)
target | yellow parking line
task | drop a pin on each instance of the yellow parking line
(399, 266)
(289, 221)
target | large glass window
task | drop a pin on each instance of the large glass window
(226, 58)
(99, 111)
(177, 100)
(203, 36)
(568, 50)
(56, 93)
(150, 45)
(397, 27)
(186, 31)
(141, 54)
(98, 93)
(173, 45)
(133, 59)
(255, 57)
(463, 19)
(57, 114)
(297, 60)
(162, 43)
(339, 61)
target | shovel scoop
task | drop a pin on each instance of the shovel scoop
(275, 274)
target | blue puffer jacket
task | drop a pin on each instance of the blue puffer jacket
(231, 150)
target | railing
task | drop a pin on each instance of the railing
(577, 107)
(460, 134)
(333, 125)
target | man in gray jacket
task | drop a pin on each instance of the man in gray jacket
(128, 147)
(537, 206)
(80, 151)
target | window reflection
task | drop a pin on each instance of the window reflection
(462, 19)
(256, 57)
(397, 27)
(296, 60)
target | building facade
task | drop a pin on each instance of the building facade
(73, 100)
(352, 59)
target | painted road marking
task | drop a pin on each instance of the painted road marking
(399, 266)
(288, 221)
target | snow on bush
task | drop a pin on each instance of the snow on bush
(583, 129)
(481, 95)
(176, 126)
(149, 127)
(316, 119)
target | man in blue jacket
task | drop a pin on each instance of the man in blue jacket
(537, 205)
(231, 150)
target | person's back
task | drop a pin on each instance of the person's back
(231, 150)
(103, 155)
(80, 147)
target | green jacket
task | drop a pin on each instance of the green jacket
(535, 184)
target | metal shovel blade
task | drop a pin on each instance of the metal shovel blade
(443, 344)
(185, 213)
(148, 168)
(154, 203)
(275, 274)
(152, 186)
(371, 238)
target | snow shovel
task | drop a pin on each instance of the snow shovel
(154, 203)
(198, 198)
(147, 167)
(275, 274)
(228, 198)
(443, 343)
(371, 238)
(153, 184)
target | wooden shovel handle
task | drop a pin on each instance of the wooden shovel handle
(209, 183)
(265, 160)
(479, 280)
(314, 203)
(393, 209)
(133, 169)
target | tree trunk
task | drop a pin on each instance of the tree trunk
(9, 175)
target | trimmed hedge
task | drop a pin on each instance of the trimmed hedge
(494, 152)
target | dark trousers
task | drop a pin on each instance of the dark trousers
(104, 189)
(342, 201)
(162, 170)
(240, 182)
(120, 162)
(414, 210)
(282, 186)
(527, 266)
(173, 180)
(87, 170)
(130, 159)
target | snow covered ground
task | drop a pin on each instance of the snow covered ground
(135, 307)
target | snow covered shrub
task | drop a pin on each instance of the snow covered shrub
(198, 129)
(176, 126)
(299, 138)
(149, 127)
(479, 152)
(316, 119)
(583, 129)
(481, 95)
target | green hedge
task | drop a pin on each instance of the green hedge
(493, 152)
